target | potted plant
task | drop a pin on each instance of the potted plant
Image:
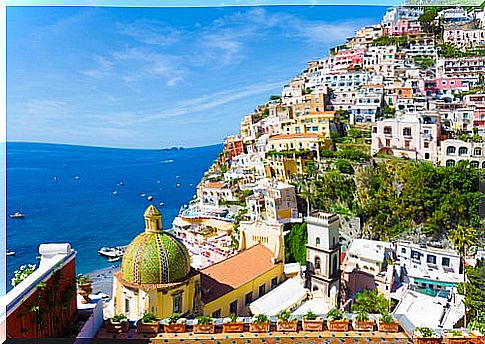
(174, 324)
(259, 323)
(203, 324)
(362, 323)
(286, 322)
(425, 335)
(147, 324)
(117, 324)
(311, 322)
(456, 337)
(336, 321)
(85, 287)
(387, 323)
(232, 324)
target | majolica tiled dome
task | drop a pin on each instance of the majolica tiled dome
(154, 256)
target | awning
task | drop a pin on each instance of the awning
(180, 223)
(285, 296)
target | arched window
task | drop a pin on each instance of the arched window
(334, 264)
(462, 151)
(317, 263)
(450, 150)
(477, 151)
(317, 241)
(483, 164)
(450, 163)
(406, 131)
(474, 164)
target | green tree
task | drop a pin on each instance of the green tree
(344, 166)
(474, 292)
(354, 134)
(370, 301)
(295, 244)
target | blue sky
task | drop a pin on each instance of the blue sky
(157, 77)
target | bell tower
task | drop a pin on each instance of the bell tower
(323, 256)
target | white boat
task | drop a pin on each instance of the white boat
(10, 252)
(17, 215)
(115, 192)
(178, 185)
(112, 252)
(114, 259)
(150, 198)
(143, 195)
(161, 204)
(77, 177)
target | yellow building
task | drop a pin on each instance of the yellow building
(230, 286)
(156, 275)
(310, 123)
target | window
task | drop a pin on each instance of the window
(262, 290)
(403, 250)
(426, 145)
(233, 307)
(317, 263)
(388, 130)
(127, 305)
(177, 303)
(450, 163)
(406, 144)
(462, 151)
(431, 259)
(274, 282)
(217, 314)
(248, 298)
(317, 241)
(406, 131)
(450, 150)
(477, 151)
(474, 164)
(445, 261)
(388, 143)
(426, 155)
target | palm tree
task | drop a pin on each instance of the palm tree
(462, 238)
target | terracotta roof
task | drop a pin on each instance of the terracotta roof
(227, 275)
(291, 136)
(214, 185)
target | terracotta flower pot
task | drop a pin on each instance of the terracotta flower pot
(235, 327)
(142, 327)
(174, 328)
(259, 327)
(204, 328)
(338, 325)
(287, 326)
(117, 327)
(388, 327)
(422, 340)
(363, 325)
(85, 290)
(450, 339)
(312, 325)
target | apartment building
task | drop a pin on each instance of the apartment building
(368, 104)
(469, 68)
(453, 151)
(409, 136)
(465, 38)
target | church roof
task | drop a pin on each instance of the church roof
(232, 273)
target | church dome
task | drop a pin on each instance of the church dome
(154, 256)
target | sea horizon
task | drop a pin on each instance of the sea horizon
(90, 196)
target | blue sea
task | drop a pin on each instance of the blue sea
(74, 194)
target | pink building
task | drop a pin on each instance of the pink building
(405, 26)
(349, 58)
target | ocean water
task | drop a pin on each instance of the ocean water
(84, 211)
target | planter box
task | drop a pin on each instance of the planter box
(287, 326)
(338, 325)
(174, 328)
(312, 325)
(147, 327)
(364, 325)
(260, 327)
(117, 327)
(421, 340)
(388, 327)
(200, 328)
(235, 327)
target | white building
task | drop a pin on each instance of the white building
(428, 269)
(368, 255)
(465, 38)
(453, 151)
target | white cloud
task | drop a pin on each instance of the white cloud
(150, 32)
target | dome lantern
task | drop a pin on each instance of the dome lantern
(153, 219)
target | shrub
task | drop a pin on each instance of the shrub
(310, 316)
(285, 316)
(173, 318)
(335, 314)
(119, 318)
(362, 316)
(386, 318)
(148, 317)
(260, 318)
(22, 273)
(82, 279)
(204, 320)
(424, 332)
